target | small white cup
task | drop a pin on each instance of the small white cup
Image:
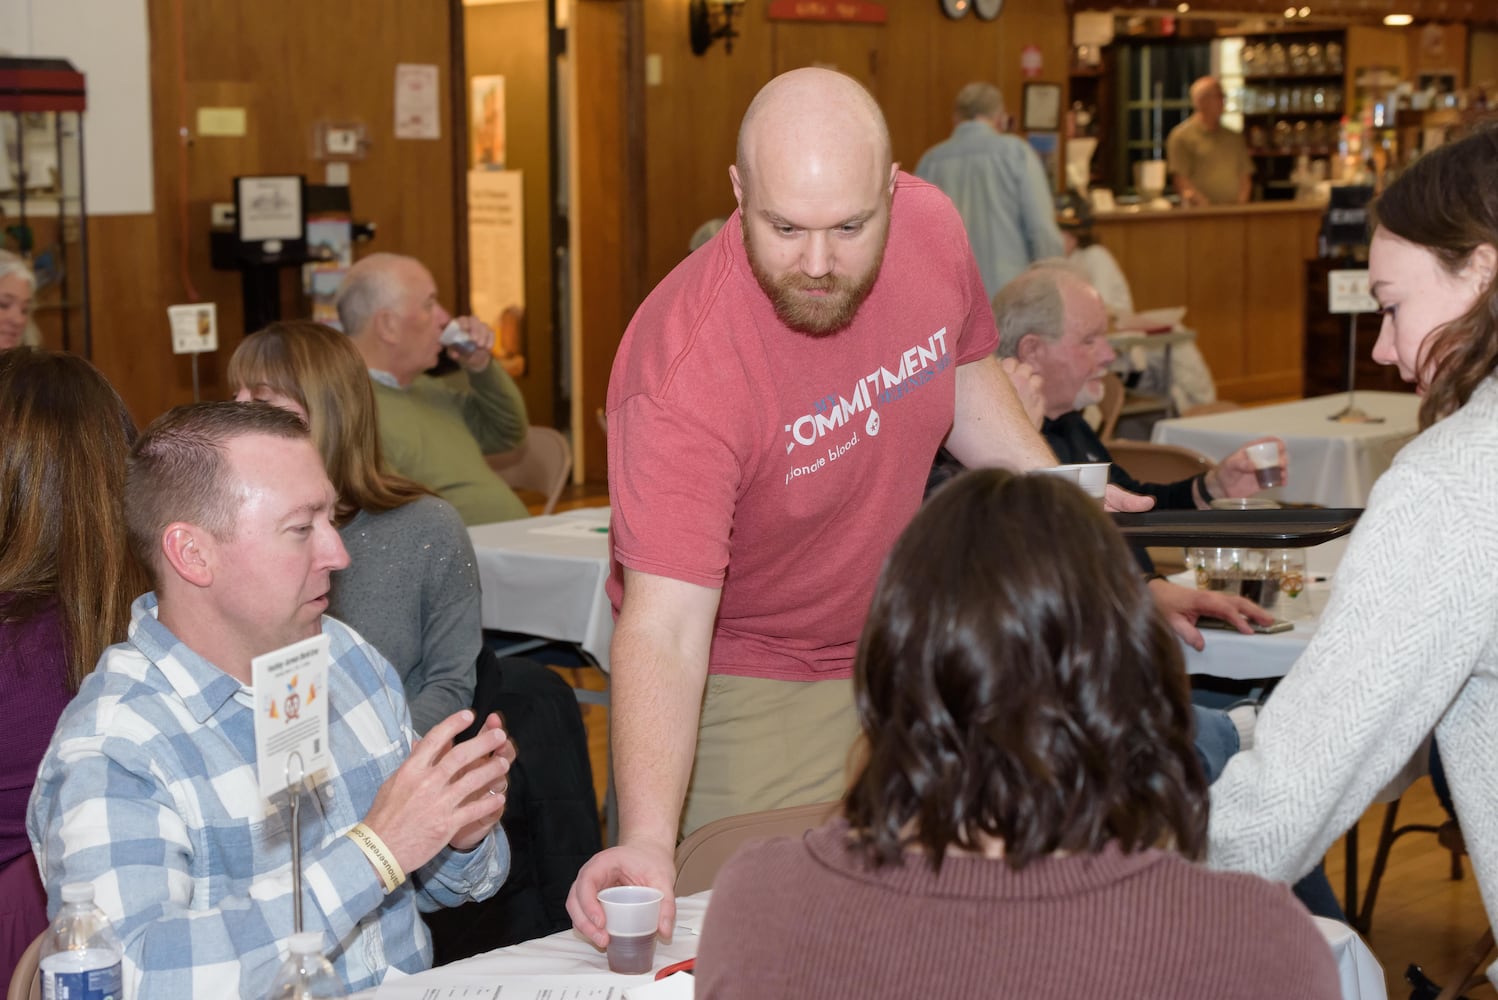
(1091, 476)
(1268, 468)
(631, 913)
(455, 336)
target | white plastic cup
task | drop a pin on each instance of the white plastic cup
(456, 337)
(1091, 476)
(1067, 472)
(631, 914)
(1268, 469)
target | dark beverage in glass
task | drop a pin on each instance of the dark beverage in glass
(1262, 590)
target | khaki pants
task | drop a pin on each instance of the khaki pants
(766, 744)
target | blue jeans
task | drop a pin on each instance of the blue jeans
(1216, 741)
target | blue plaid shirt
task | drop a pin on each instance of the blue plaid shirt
(149, 792)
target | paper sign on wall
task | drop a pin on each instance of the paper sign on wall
(1349, 292)
(291, 712)
(416, 114)
(194, 328)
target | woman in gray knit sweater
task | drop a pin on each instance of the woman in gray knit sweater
(411, 588)
(1408, 644)
(1029, 803)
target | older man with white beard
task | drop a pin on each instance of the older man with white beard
(773, 410)
(1055, 322)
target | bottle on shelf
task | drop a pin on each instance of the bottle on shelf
(81, 959)
(306, 974)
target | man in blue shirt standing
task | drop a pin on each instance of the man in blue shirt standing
(999, 187)
(149, 790)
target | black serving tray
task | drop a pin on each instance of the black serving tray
(1276, 529)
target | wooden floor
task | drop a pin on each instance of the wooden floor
(1421, 916)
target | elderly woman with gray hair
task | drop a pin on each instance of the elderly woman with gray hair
(17, 284)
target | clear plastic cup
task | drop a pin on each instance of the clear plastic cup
(631, 914)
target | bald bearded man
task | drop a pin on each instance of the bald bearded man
(772, 411)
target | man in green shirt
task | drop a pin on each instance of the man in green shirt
(435, 431)
(1209, 163)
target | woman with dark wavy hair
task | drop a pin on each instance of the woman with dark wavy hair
(1026, 817)
(1408, 645)
(66, 582)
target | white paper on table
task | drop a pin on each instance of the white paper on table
(573, 529)
(677, 986)
(691, 924)
(455, 984)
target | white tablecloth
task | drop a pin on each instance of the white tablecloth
(565, 959)
(1331, 464)
(1237, 656)
(545, 576)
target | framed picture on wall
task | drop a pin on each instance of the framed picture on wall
(1042, 111)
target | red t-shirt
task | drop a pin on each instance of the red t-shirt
(782, 467)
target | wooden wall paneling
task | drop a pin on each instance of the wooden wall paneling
(510, 40)
(1275, 251)
(608, 223)
(1215, 291)
(1482, 60)
(1437, 48)
(852, 49)
(692, 125)
(273, 58)
(1156, 256)
(126, 293)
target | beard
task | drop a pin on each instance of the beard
(815, 315)
(1088, 395)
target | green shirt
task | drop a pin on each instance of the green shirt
(1215, 162)
(437, 432)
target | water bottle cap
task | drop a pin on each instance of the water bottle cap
(306, 943)
(78, 892)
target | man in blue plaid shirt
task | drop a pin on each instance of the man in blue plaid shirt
(149, 789)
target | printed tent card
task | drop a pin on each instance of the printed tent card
(291, 712)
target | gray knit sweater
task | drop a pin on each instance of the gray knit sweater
(412, 590)
(809, 918)
(1408, 644)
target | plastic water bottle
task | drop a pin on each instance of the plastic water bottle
(80, 954)
(306, 974)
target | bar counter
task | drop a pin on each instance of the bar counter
(1240, 272)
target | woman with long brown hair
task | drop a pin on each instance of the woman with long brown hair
(1408, 644)
(66, 582)
(1029, 805)
(411, 588)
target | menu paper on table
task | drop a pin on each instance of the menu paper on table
(291, 712)
(454, 984)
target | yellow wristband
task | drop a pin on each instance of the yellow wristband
(389, 871)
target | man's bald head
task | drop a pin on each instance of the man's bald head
(813, 121)
(376, 282)
(1208, 100)
(815, 184)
